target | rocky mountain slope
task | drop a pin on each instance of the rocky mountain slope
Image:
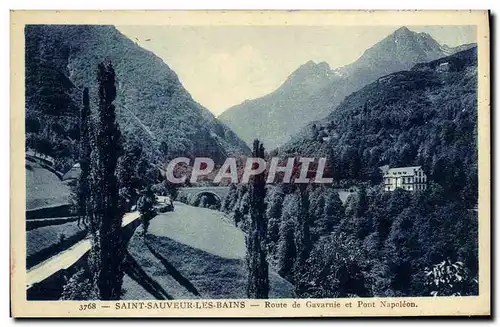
(152, 105)
(315, 89)
(425, 116)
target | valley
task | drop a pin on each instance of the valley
(108, 204)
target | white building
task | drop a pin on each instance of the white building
(407, 178)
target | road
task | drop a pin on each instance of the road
(66, 258)
(200, 228)
(190, 253)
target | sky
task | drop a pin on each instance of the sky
(222, 66)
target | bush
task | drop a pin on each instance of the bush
(334, 269)
(450, 279)
(78, 287)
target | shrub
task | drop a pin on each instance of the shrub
(78, 287)
(449, 279)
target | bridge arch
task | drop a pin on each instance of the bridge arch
(206, 199)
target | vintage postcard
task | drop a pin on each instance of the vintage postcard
(250, 164)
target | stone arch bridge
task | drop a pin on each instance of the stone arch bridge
(193, 193)
(220, 192)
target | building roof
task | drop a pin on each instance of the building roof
(404, 171)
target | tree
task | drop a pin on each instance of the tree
(302, 231)
(143, 173)
(78, 287)
(237, 217)
(286, 250)
(83, 191)
(332, 215)
(334, 269)
(243, 205)
(128, 181)
(258, 270)
(273, 215)
(449, 279)
(230, 199)
(316, 208)
(107, 252)
(161, 188)
(358, 219)
(402, 254)
(145, 206)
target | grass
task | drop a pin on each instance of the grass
(152, 269)
(44, 242)
(214, 277)
(43, 222)
(44, 188)
(184, 271)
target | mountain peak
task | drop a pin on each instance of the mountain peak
(402, 31)
(324, 66)
(309, 73)
(320, 89)
(308, 65)
(312, 67)
(403, 47)
(413, 39)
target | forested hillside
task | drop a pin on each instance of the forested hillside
(153, 107)
(425, 116)
(377, 244)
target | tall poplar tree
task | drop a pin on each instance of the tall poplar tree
(302, 236)
(105, 225)
(258, 270)
(83, 191)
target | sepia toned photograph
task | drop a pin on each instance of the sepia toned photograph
(250, 164)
